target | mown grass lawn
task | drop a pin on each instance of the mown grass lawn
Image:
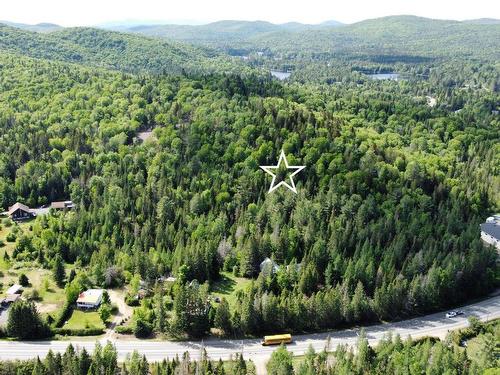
(228, 287)
(84, 319)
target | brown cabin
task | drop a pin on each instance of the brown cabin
(20, 211)
(62, 205)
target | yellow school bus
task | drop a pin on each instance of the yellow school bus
(277, 339)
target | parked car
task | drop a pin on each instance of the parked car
(451, 314)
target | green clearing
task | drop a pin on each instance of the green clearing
(84, 319)
(9, 246)
(228, 287)
(51, 297)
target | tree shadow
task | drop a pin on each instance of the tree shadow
(224, 286)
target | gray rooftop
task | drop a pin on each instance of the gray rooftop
(492, 229)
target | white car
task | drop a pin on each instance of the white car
(453, 314)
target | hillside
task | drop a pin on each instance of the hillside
(385, 218)
(107, 49)
(395, 35)
(399, 35)
(484, 21)
(39, 27)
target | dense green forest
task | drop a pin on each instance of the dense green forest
(384, 225)
(395, 36)
(113, 50)
(329, 52)
(391, 356)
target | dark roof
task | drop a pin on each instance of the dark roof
(492, 229)
(11, 298)
(18, 206)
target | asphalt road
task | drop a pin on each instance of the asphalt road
(436, 325)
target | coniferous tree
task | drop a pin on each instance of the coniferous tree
(24, 321)
(58, 271)
(280, 362)
(222, 319)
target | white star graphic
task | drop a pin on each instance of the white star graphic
(269, 168)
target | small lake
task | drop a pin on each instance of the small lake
(280, 75)
(384, 76)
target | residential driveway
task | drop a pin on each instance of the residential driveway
(4, 315)
(117, 298)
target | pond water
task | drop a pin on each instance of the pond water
(280, 75)
(384, 76)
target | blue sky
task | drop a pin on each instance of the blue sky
(93, 12)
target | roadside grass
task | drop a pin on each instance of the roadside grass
(473, 347)
(228, 287)
(474, 344)
(84, 319)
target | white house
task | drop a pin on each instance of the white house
(90, 299)
(14, 289)
(490, 231)
(268, 262)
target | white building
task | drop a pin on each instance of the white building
(490, 231)
(14, 289)
(90, 299)
(268, 262)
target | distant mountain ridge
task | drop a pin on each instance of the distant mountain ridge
(43, 27)
(173, 48)
(483, 21)
(404, 35)
(395, 36)
(214, 32)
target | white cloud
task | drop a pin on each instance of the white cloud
(92, 12)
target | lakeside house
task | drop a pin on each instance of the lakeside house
(90, 299)
(490, 231)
